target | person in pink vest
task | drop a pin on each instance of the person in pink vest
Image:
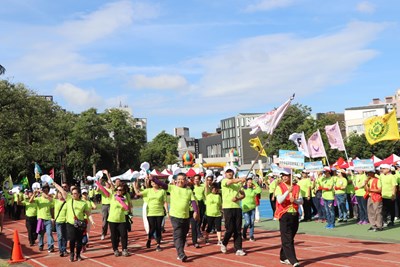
(288, 199)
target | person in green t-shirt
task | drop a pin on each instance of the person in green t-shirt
(213, 211)
(340, 194)
(60, 219)
(156, 199)
(92, 206)
(272, 182)
(181, 197)
(389, 183)
(76, 210)
(251, 189)
(198, 191)
(231, 195)
(119, 204)
(30, 218)
(326, 184)
(45, 203)
(305, 191)
(359, 187)
(105, 206)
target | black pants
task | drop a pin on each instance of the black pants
(233, 225)
(214, 221)
(118, 232)
(194, 225)
(307, 209)
(202, 210)
(273, 204)
(155, 223)
(31, 223)
(288, 226)
(181, 228)
(75, 238)
(388, 209)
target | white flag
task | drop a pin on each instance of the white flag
(316, 146)
(270, 120)
(300, 140)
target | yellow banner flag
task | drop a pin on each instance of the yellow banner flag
(381, 128)
(7, 184)
(256, 144)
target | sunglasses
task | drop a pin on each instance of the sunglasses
(119, 190)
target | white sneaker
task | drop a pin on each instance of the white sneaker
(296, 264)
(219, 243)
(287, 262)
(223, 248)
(240, 253)
(102, 237)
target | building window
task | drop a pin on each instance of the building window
(242, 122)
(356, 129)
(369, 113)
(237, 132)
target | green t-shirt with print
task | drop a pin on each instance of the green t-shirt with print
(180, 198)
(305, 185)
(213, 205)
(327, 182)
(104, 199)
(228, 193)
(62, 217)
(44, 207)
(198, 191)
(249, 202)
(117, 212)
(30, 208)
(155, 201)
(388, 183)
(80, 207)
(342, 183)
(359, 183)
(350, 184)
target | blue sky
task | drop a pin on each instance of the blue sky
(192, 63)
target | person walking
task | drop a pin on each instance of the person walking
(359, 187)
(231, 196)
(389, 183)
(60, 220)
(76, 210)
(251, 189)
(156, 197)
(105, 193)
(181, 197)
(287, 211)
(117, 220)
(213, 212)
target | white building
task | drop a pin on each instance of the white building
(355, 116)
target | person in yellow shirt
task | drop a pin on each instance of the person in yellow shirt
(359, 187)
(340, 194)
(326, 184)
(374, 190)
(305, 191)
(389, 183)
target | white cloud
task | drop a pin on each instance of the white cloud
(158, 82)
(265, 67)
(265, 5)
(365, 7)
(78, 98)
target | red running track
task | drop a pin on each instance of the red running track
(311, 250)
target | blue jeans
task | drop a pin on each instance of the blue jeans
(50, 240)
(362, 208)
(329, 212)
(249, 217)
(341, 202)
(62, 237)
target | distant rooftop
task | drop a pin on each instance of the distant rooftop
(367, 107)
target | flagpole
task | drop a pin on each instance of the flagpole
(258, 155)
(266, 142)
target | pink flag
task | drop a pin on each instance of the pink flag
(270, 120)
(316, 146)
(335, 136)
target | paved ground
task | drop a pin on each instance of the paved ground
(312, 250)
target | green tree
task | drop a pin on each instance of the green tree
(126, 141)
(160, 151)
